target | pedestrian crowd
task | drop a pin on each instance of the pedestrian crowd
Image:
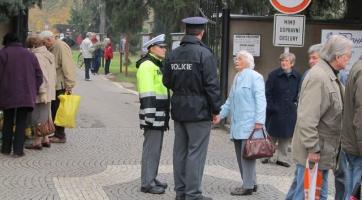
(92, 50)
(32, 78)
(313, 112)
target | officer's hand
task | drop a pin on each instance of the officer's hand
(216, 119)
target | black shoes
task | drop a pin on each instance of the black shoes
(255, 189)
(153, 190)
(284, 164)
(18, 155)
(201, 198)
(205, 198)
(242, 192)
(161, 184)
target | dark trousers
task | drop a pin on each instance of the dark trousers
(96, 63)
(15, 138)
(88, 66)
(151, 154)
(106, 67)
(59, 131)
(339, 176)
(189, 156)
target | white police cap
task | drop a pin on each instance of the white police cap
(195, 21)
(158, 40)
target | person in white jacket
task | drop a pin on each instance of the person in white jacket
(87, 52)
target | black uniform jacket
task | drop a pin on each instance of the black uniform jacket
(191, 73)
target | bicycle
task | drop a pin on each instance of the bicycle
(80, 61)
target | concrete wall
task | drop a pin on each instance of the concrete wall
(269, 55)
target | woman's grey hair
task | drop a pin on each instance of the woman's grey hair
(248, 58)
(46, 34)
(289, 56)
(316, 48)
(336, 45)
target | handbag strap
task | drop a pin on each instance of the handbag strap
(265, 134)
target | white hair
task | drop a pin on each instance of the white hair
(46, 34)
(249, 59)
(316, 48)
(336, 45)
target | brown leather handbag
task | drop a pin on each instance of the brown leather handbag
(258, 147)
(45, 128)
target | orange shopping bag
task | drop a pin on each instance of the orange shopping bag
(313, 180)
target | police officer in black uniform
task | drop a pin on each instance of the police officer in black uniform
(190, 72)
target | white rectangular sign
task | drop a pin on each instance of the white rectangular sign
(250, 43)
(289, 30)
(355, 36)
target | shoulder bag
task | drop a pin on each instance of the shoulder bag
(258, 147)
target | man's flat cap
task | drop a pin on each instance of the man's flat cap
(158, 40)
(195, 21)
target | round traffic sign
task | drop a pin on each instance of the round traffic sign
(290, 6)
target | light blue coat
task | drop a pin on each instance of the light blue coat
(246, 104)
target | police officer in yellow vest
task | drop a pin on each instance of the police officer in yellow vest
(154, 112)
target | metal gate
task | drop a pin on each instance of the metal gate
(212, 10)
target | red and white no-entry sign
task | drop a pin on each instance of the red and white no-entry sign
(290, 6)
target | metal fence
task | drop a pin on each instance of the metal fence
(212, 10)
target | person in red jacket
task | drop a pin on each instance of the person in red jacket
(108, 55)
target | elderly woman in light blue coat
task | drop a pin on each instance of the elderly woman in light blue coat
(246, 106)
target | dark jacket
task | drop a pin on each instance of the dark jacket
(190, 72)
(20, 77)
(282, 97)
(352, 114)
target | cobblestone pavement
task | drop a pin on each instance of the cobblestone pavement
(102, 155)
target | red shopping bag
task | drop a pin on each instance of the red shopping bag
(313, 181)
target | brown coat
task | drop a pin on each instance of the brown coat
(64, 64)
(47, 65)
(319, 116)
(352, 114)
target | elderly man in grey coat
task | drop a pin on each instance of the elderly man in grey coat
(352, 129)
(319, 115)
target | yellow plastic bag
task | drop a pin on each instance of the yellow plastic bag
(67, 111)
